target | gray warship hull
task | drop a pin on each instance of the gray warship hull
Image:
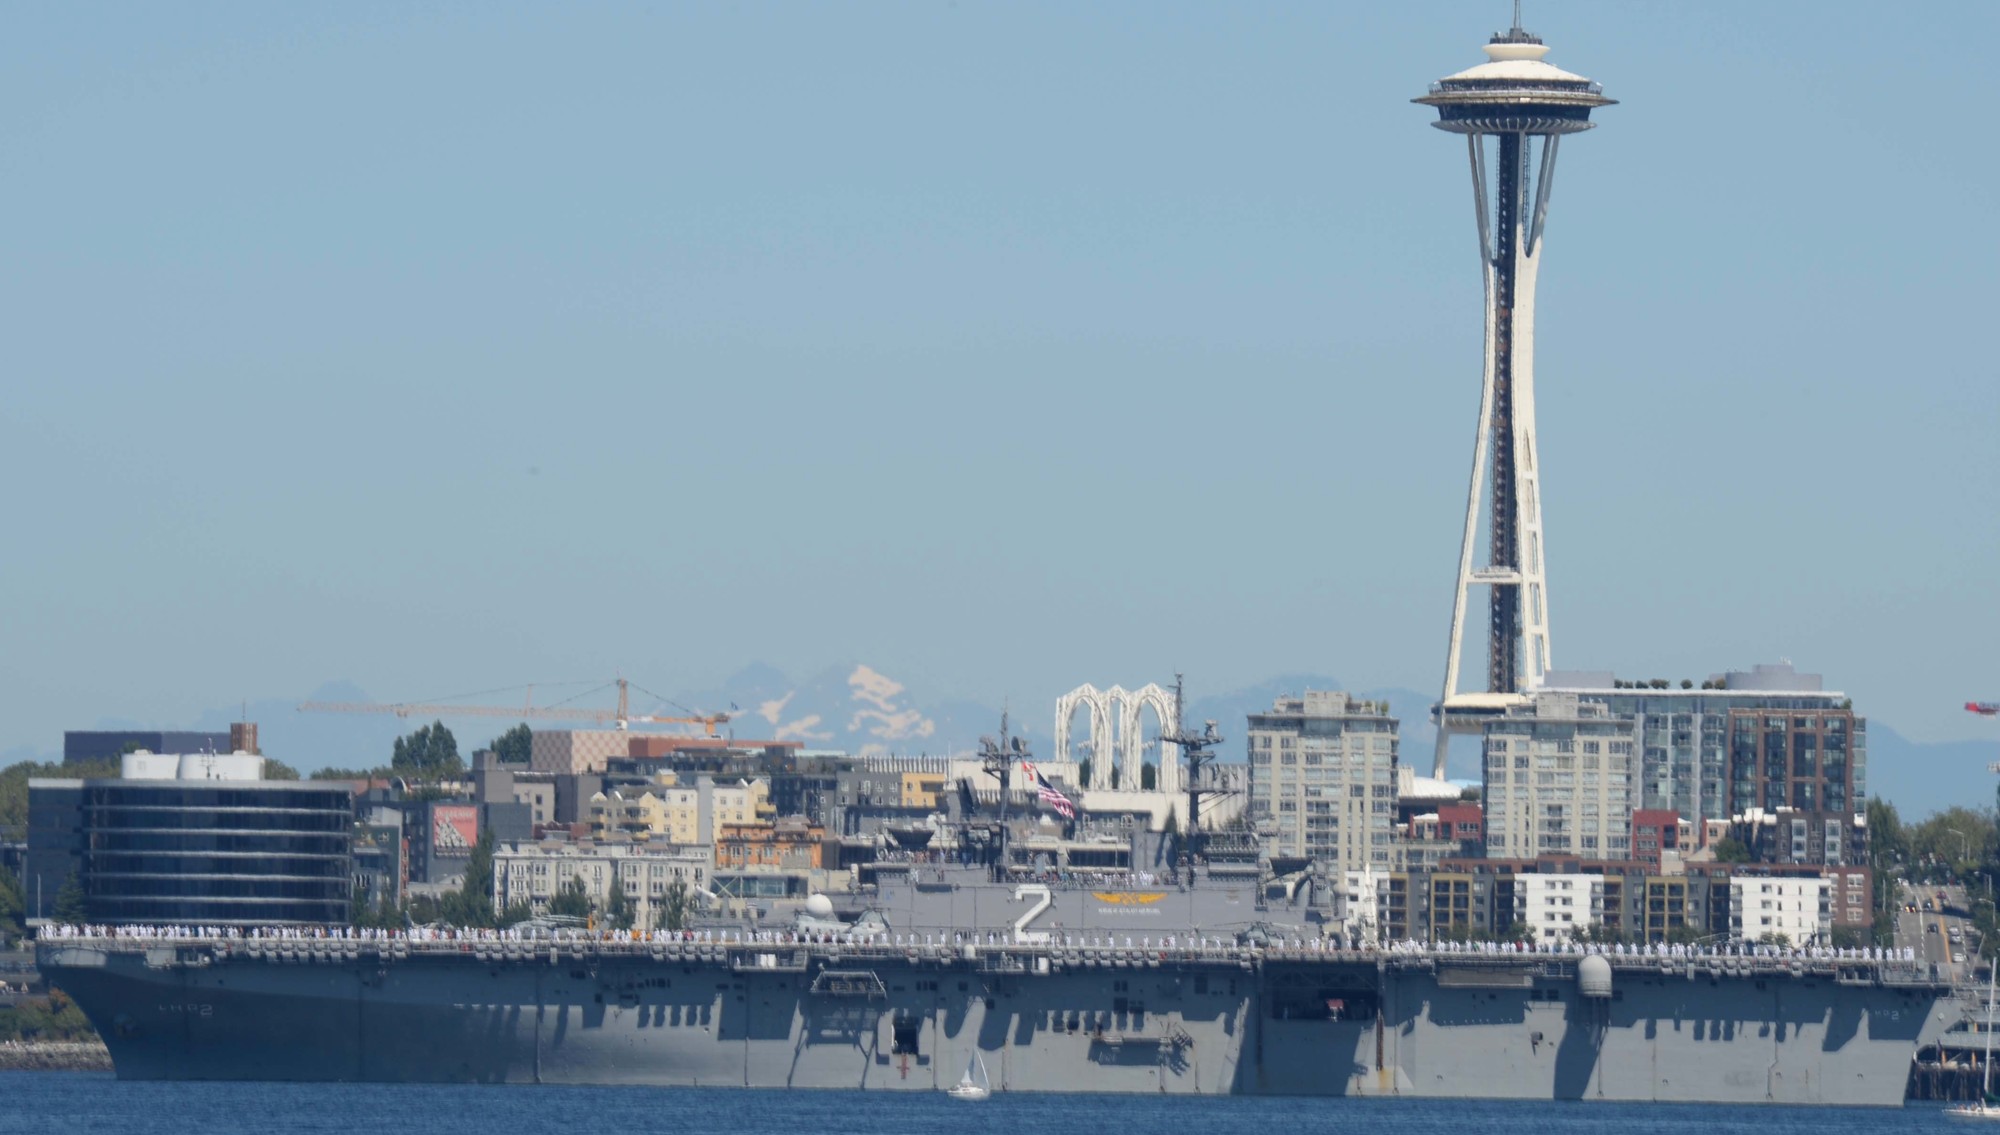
(1045, 1017)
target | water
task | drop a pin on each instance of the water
(60, 1102)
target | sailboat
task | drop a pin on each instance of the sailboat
(1985, 1108)
(973, 1085)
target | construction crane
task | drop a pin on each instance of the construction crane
(621, 718)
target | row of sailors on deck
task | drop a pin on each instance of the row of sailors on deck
(990, 938)
(1668, 950)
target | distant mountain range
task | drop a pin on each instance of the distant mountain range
(859, 709)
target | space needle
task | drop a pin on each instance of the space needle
(1513, 110)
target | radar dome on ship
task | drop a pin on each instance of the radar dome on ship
(819, 906)
(1593, 976)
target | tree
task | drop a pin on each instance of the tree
(13, 905)
(430, 754)
(359, 911)
(1455, 932)
(1883, 932)
(72, 905)
(1888, 857)
(1951, 844)
(51, 1018)
(673, 906)
(517, 911)
(570, 900)
(423, 910)
(1683, 935)
(1888, 845)
(275, 769)
(1987, 926)
(14, 788)
(1729, 849)
(1595, 933)
(473, 904)
(514, 746)
(618, 908)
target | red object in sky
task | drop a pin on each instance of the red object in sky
(1988, 708)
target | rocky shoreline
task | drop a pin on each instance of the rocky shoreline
(30, 1056)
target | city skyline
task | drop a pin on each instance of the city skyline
(1012, 349)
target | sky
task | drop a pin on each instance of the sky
(1005, 346)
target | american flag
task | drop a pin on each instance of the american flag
(1050, 796)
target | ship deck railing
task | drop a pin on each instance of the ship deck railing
(995, 957)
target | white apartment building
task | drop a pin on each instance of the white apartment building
(1799, 909)
(1323, 772)
(534, 872)
(1556, 907)
(1558, 780)
(1361, 907)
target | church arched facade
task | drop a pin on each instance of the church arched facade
(1116, 736)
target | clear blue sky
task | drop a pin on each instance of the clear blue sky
(1004, 346)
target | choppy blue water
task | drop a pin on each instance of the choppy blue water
(62, 1102)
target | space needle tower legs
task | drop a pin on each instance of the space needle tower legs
(1513, 110)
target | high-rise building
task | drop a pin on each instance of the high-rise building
(1558, 780)
(1808, 760)
(1513, 110)
(1323, 771)
(1686, 763)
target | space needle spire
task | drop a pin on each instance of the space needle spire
(1513, 110)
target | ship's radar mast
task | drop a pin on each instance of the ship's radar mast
(1195, 748)
(997, 757)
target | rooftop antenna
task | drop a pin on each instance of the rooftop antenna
(1517, 15)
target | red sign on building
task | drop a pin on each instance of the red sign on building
(454, 828)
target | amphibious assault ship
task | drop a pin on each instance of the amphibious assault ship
(1101, 958)
(1060, 987)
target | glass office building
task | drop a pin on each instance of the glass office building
(193, 852)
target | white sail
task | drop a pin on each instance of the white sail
(1984, 1109)
(973, 1085)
